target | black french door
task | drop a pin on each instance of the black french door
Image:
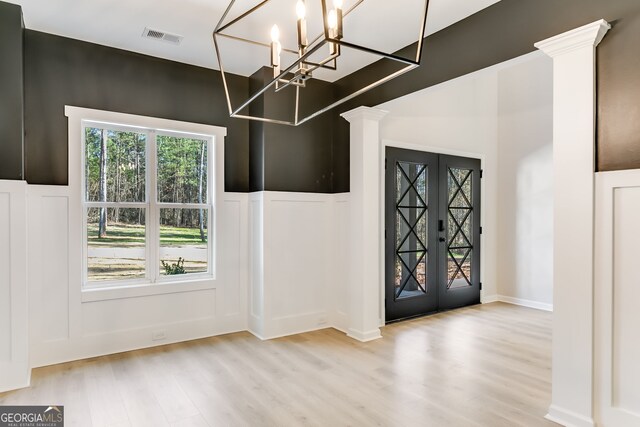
(432, 229)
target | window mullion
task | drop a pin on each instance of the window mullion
(121, 205)
(212, 217)
(153, 223)
(183, 205)
(84, 197)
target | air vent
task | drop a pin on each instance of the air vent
(161, 35)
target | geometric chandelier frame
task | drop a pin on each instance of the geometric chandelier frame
(295, 74)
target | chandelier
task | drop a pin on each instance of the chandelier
(306, 58)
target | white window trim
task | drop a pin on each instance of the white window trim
(135, 288)
(151, 206)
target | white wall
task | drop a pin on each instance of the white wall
(501, 115)
(457, 117)
(525, 182)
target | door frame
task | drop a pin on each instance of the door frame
(382, 198)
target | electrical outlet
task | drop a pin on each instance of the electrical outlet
(159, 335)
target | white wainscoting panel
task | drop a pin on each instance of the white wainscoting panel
(64, 326)
(298, 262)
(232, 301)
(339, 275)
(256, 268)
(300, 245)
(48, 263)
(147, 312)
(617, 299)
(5, 276)
(14, 356)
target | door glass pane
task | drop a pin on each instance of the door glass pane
(459, 277)
(182, 170)
(411, 230)
(114, 165)
(183, 241)
(115, 244)
(459, 227)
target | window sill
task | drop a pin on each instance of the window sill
(146, 289)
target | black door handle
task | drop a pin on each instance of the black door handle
(440, 225)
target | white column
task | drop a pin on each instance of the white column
(364, 224)
(574, 112)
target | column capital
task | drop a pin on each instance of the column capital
(362, 113)
(589, 35)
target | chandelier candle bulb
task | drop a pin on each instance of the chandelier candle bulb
(302, 26)
(276, 48)
(332, 20)
(338, 8)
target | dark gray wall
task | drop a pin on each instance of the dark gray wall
(619, 92)
(509, 29)
(256, 134)
(61, 71)
(286, 158)
(11, 92)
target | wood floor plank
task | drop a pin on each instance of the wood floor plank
(194, 421)
(486, 365)
(105, 403)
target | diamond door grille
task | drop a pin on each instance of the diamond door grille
(411, 230)
(459, 228)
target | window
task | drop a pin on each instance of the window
(147, 205)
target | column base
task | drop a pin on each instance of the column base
(364, 336)
(568, 418)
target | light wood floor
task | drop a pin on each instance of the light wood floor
(486, 365)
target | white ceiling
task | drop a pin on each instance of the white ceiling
(120, 24)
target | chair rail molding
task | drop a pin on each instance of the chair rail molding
(574, 113)
(365, 278)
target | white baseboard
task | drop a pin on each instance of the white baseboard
(364, 336)
(96, 345)
(524, 302)
(288, 333)
(488, 299)
(256, 334)
(568, 418)
(340, 321)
